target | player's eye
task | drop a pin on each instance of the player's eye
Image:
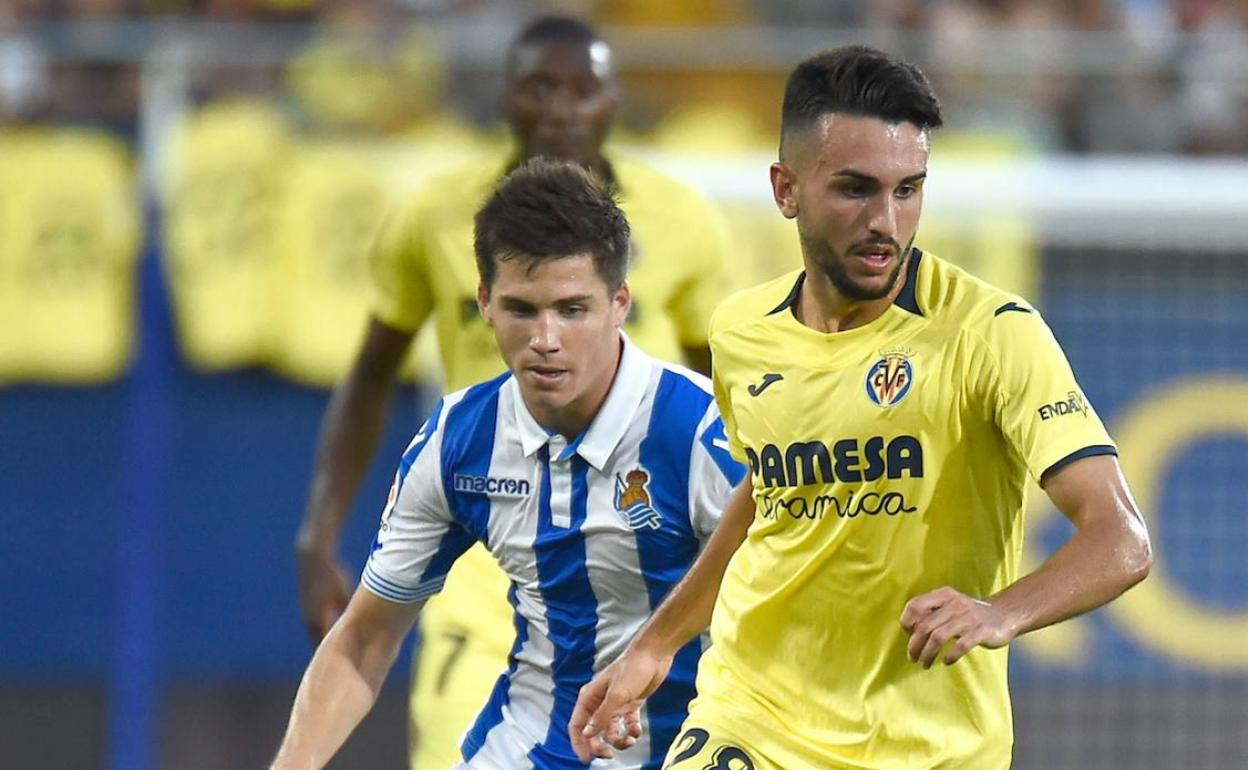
(856, 189)
(521, 311)
(572, 311)
(908, 190)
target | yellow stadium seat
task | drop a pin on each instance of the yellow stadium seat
(70, 228)
(227, 165)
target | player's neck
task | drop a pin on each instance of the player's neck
(825, 308)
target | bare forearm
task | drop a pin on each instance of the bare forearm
(350, 433)
(686, 611)
(344, 678)
(339, 688)
(1108, 554)
(1095, 566)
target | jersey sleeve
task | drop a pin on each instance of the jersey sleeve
(419, 538)
(402, 292)
(723, 400)
(712, 474)
(706, 283)
(1033, 395)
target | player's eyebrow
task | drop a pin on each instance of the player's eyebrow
(861, 177)
(509, 300)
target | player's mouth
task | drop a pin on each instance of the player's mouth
(547, 376)
(876, 259)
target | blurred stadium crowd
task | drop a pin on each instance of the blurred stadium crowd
(272, 135)
(1056, 75)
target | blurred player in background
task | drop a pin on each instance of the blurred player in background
(890, 407)
(559, 102)
(592, 472)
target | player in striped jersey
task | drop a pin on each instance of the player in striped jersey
(592, 473)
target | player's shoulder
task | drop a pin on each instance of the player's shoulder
(754, 304)
(468, 411)
(949, 294)
(684, 383)
(641, 183)
(460, 188)
(671, 383)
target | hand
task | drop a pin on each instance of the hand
(608, 709)
(323, 591)
(944, 614)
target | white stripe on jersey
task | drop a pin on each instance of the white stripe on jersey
(592, 535)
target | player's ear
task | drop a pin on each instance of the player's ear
(621, 303)
(483, 303)
(784, 189)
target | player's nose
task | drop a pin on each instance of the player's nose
(882, 219)
(545, 334)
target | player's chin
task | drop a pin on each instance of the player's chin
(872, 286)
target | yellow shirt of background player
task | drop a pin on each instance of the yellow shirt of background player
(888, 460)
(423, 264)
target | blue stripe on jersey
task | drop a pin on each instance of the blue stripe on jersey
(467, 444)
(421, 440)
(666, 553)
(571, 609)
(453, 544)
(492, 715)
(732, 470)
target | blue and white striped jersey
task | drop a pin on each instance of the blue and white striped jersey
(593, 534)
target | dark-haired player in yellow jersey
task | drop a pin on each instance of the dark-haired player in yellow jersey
(865, 577)
(559, 102)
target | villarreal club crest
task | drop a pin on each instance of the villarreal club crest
(889, 378)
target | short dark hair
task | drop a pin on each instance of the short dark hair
(545, 210)
(858, 80)
(551, 29)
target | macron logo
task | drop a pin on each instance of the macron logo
(488, 485)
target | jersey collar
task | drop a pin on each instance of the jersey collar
(906, 299)
(605, 432)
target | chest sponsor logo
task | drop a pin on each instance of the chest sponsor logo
(816, 465)
(848, 460)
(1072, 405)
(632, 501)
(889, 379)
(493, 486)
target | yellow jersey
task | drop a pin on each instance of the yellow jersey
(423, 263)
(887, 460)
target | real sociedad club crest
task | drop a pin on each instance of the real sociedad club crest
(888, 381)
(632, 501)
